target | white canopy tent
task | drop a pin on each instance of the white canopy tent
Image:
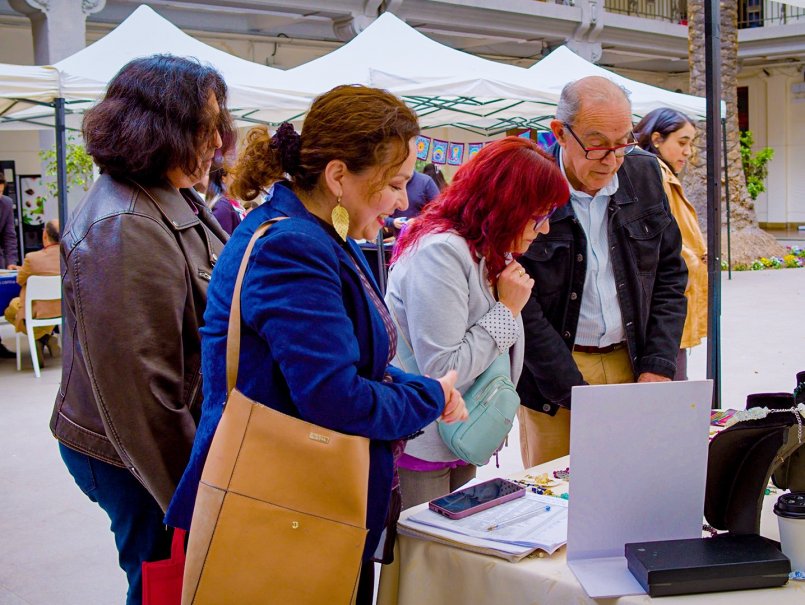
(563, 66)
(37, 84)
(81, 79)
(390, 54)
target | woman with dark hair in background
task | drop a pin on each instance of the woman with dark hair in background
(669, 134)
(432, 170)
(315, 338)
(456, 292)
(224, 208)
(137, 257)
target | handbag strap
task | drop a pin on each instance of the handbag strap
(402, 337)
(233, 332)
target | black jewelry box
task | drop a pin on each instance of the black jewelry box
(672, 567)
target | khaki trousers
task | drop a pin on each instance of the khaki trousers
(10, 314)
(543, 437)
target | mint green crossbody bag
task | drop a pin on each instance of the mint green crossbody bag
(492, 402)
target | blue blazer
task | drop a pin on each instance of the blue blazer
(313, 346)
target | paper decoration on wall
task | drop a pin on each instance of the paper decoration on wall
(473, 148)
(545, 139)
(439, 154)
(455, 154)
(422, 147)
(526, 134)
(33, 194)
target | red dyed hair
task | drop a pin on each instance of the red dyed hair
(491, 200)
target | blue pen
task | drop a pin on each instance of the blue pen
(518, 518)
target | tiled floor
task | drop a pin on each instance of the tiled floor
(56, 548)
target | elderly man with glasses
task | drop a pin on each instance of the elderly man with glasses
(608, 303)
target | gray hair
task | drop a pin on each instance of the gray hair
(575, 92)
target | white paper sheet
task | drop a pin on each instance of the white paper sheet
(546, 529)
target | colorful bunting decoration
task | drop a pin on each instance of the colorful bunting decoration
(545, 139)
(439, 155)
(422, 147)
(455, 154)
(473, 148)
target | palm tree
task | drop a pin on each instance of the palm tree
(748, 240)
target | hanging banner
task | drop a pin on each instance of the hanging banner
(545, 139)
(473, 148)
(455, 154)
(422, 147)
(526, 134)
(439, 155)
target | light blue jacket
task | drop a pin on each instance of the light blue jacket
(440, 297)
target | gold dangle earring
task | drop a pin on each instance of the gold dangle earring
(340, 218)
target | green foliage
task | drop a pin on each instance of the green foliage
(755, 165)
(79, 167)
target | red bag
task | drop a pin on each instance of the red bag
(162, 580)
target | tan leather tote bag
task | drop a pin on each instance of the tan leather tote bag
(280, 516)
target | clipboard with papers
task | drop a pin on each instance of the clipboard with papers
(511, 530)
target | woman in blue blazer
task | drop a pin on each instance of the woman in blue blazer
(316, 342)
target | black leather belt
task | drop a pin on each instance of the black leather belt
(599, 350)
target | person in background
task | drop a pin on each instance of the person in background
(226, 209)
(456, 293)
(39, 262)
(8, 244)
(432, 170)
(316, 342)
(608, 303)
(420, 190)
(137, 257)
(8, 234)
(669, 134)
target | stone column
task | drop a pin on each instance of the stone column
(59, 30)
(58, 26)
(584, 40)
(777, 133)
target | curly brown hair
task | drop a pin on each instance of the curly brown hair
(155, 117)
(361, 126)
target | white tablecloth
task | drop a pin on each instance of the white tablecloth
(426, 573)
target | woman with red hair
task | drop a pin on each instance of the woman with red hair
(456, 289)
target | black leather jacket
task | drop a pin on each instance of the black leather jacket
(650, 277)
(136, 264)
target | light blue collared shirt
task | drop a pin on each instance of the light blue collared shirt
(600, 319)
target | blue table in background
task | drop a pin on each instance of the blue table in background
(8, 289)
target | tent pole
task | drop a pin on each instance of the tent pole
(727, 196)
(61, 160)
(712, 43)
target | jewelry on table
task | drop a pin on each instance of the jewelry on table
(758, 413)
(562, 475)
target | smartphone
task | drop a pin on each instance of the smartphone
(474, 499)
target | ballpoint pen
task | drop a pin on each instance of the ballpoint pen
(519, 518)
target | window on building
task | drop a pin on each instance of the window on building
(743, 108)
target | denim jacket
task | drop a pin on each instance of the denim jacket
(650, 277)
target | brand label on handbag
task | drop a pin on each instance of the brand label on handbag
(319, 438)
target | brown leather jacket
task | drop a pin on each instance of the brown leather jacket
(136, 263)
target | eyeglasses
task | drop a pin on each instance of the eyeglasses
(599, 153)
(541, 219)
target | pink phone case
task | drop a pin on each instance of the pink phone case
(508, 491)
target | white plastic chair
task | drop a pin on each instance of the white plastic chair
(38, 287)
